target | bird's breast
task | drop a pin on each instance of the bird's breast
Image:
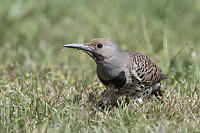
(108, 71)
(118, 82)
(113, 71)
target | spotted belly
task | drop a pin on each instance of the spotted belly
(123, 84)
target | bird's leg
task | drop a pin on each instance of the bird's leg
(108, 98)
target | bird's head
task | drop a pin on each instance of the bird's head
(99, 49)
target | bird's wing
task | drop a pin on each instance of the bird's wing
(145, 70)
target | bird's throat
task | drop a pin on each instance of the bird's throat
(95, 56)
(112, 67)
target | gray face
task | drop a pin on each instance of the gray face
(99, 49)
(111, 61)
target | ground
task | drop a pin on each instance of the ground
(47, 88)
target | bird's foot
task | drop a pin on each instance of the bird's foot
(108, 100)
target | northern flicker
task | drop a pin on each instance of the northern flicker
(122, 72)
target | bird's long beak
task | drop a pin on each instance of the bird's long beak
(79, 46)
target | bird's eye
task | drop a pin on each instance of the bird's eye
(99, 45)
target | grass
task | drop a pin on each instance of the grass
(45, 88)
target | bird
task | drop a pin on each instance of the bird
(122, 72)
